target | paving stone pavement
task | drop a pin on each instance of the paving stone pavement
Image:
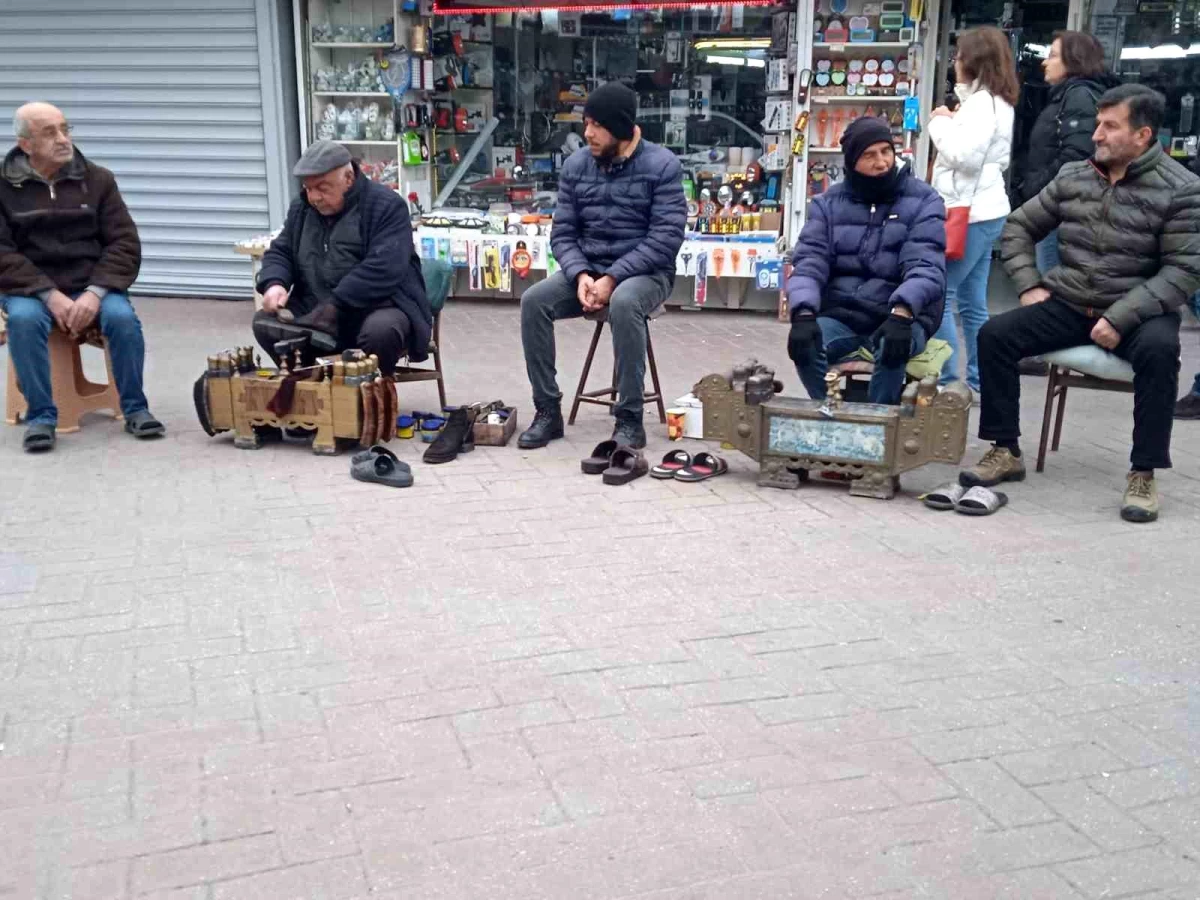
(228, 675)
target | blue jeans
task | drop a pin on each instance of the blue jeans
(29, 324)
(1046, 251)
(839, 341)
(966, 295)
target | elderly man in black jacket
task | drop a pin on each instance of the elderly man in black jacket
(1129, 235)
(343, 273)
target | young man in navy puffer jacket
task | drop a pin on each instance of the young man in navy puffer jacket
(618, 226)
(869, 268)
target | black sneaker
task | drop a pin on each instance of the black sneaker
(1188, 407)
(629, 433)
(456, 437)
(547, 426)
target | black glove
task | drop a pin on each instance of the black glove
(804, 335)
(896, 332)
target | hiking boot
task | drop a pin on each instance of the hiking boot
(1188, 407)
(629, 433)
(547, 426)
(997, 465)
(1140, 503)
(456, 437)
(1039, 368)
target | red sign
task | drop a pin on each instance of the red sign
(484, 7)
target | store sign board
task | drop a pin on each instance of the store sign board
(477, 7)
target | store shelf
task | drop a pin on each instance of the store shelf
(351, 94)
(842, 98)
(368, 143)
(863, 45)
(349, 45)
(831, 151)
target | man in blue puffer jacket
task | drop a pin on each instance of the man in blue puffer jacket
(869, 268)
(618, 226)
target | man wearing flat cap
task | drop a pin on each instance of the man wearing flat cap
(869, 268)
(343, 273)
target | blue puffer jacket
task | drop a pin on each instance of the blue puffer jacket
(621, 220)
(854, 261)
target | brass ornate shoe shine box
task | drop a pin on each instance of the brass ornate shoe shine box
(872, 444)
(235, 394)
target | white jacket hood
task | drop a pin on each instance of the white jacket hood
(974, 148)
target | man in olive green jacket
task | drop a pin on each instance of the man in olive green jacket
(1128, 225)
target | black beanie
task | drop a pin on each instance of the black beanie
(613, 106)
(863, 133)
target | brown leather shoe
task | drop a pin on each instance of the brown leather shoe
(997, 465)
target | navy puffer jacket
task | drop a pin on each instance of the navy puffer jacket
(622, 220)
(854, 261)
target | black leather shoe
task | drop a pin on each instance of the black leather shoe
(455, 438)
(320, 327)
(547, 426)
(629, 433)
(1188, 407)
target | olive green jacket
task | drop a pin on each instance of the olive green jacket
(1130, 251)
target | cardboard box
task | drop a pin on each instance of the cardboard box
(496, 435)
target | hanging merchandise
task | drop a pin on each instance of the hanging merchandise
(801, 130)
(505, 267)
(476, 282)
(491, 266)
(700, 289)
(395, 71)
(521, 261)
(411, 149)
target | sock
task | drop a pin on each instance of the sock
(1149, 473)
(1011, 446)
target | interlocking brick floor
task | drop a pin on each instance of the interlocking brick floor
(228, 675)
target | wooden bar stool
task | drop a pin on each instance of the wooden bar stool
(608, 396)
(73, 394)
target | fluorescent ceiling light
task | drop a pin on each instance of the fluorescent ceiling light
(1162, 51)
(732, 44)
(736, 61)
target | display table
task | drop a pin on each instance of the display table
(720, 269)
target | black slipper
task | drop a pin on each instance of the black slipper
(39, 438)
(143, 425)
(600, 459)
(626, 465)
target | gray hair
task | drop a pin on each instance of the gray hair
(20, 126)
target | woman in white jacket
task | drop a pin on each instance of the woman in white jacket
(974, 145)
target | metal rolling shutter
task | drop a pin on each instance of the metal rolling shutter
(180, 99)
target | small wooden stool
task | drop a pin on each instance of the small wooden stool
(608, 396)
(73, 394)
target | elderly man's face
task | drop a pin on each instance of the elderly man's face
(327, 193)
(49, 146)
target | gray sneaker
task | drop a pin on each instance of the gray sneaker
(1140, 503)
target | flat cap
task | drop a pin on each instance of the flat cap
(321, 157)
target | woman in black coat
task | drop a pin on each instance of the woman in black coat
(1063, 131)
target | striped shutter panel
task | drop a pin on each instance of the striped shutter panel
(179, 99)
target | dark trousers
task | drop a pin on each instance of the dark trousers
(384, 332)
(632, 301)
(1152, 349)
